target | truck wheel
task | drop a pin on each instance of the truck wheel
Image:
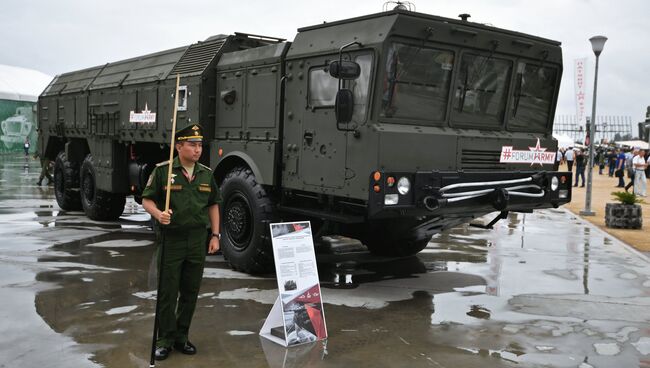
(98, 204)
(247, 211)
(66, 183)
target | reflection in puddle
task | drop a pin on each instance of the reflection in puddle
(480, 312)
(306, 355)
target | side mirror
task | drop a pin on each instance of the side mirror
(344, 106)
(347, 70)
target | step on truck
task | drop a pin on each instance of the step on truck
(387, 128)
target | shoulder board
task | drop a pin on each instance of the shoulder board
(162, 163)
(203, 166)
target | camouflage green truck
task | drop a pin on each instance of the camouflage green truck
(388, 128)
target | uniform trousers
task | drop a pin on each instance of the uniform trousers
(182, 269)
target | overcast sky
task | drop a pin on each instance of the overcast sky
(64, 35)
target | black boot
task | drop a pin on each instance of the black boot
(39, 183)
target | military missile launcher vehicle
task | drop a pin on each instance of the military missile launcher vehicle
(388, 128)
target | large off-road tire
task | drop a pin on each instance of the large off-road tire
(246, 214)
(66, 183)
(98, 204)
(393, 240)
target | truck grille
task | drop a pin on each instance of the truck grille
(198, 57)
(473, 159)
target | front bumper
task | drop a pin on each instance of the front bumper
(470, 194)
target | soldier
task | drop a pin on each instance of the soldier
(194, 205)
(45, 170)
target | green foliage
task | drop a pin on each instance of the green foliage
(627, 198)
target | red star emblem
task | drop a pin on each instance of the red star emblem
(537, 153)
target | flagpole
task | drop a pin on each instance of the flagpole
(152, 361)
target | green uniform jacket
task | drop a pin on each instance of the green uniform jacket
(188, 201)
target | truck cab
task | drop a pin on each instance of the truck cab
(421, 139)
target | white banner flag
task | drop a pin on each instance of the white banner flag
(580, 73)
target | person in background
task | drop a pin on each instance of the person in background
(611, 160)
(569, 156)
(26, 146)
(558, 159)
(640, 165)
(45, 170)
(620, 168)
(630, 167)
(600, 159)
(580, 167)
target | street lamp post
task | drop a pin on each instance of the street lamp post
(597, 45)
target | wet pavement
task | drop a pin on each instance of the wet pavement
(543, 289)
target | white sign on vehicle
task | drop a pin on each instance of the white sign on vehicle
(146, 116)
(534, 155)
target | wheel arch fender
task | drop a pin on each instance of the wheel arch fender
(234, 159)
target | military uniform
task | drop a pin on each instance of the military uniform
(45, 170)
(185, 242)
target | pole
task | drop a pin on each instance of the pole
(592, 132)
(152, 361)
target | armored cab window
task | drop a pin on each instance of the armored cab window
(361, 87)
(532, 98)
(182, 98)
(323, 87)
(480, 96)
(416, 83)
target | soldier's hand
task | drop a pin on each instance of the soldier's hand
(165, 217)
(214, 245)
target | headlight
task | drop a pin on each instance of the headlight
(554, 183)
(403, 185)
(391, 199)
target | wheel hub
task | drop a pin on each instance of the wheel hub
(236, 218)
(238, 221)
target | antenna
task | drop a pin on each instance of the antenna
(399, 5)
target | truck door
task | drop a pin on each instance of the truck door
(322, 157)
(315, 151)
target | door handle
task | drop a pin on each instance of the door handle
(308, 136)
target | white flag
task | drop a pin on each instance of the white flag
(580, 73)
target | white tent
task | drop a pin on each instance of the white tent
(564, 141)
(20, 84)
(630, 144)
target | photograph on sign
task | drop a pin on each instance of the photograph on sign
(297, 275)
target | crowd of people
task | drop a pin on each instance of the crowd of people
(615, 162)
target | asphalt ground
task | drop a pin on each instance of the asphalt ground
(540, 290)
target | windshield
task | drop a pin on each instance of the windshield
(416, 84)
(532, 96)
(481, 86)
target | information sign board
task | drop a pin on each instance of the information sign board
(297, 317)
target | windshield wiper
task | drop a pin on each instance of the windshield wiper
(461, 100)
(517, 94)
